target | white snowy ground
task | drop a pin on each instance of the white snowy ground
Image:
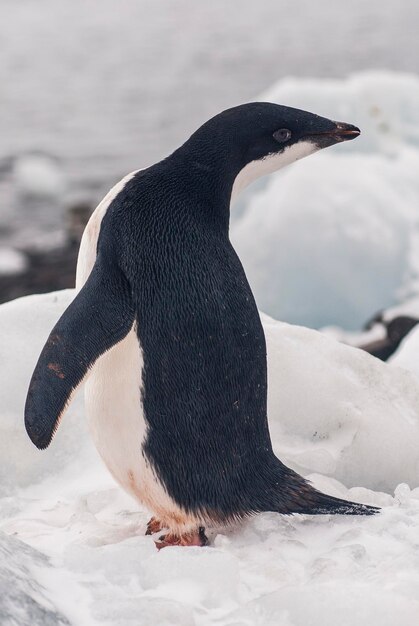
(72, 544)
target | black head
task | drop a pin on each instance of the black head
(260, 137)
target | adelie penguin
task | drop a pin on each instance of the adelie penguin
(166, 332)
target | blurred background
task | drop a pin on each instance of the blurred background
(93, 89)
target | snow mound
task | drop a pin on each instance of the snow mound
(338, 411)
(357, 204)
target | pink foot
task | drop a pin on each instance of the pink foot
(154, 526)
(194, 538)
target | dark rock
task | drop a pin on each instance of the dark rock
(49, 270)
(395, 329)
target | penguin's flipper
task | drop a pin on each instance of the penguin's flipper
(100, 316)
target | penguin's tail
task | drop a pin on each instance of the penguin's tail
(318, 503)
(293, 494)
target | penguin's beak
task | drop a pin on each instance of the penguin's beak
(336, 133)
(344, 132)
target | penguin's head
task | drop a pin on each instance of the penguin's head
(258, 138)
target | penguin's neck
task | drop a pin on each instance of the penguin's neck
(208, 177)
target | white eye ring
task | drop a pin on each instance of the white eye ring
(282, 135)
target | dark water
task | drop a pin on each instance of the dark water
(107, 86)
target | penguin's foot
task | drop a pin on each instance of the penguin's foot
(154, 526)
(194, 538)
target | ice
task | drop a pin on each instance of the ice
(73, 543)
(334, 238)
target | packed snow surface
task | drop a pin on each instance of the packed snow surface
(72, 543)
(335, 238)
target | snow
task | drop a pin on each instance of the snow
(72, 543)
(344, 414)
(334, 238)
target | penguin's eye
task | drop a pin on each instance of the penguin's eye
(282, 135)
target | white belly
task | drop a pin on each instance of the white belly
(114, 410)
(118, 428)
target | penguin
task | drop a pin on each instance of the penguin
(166, 333)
